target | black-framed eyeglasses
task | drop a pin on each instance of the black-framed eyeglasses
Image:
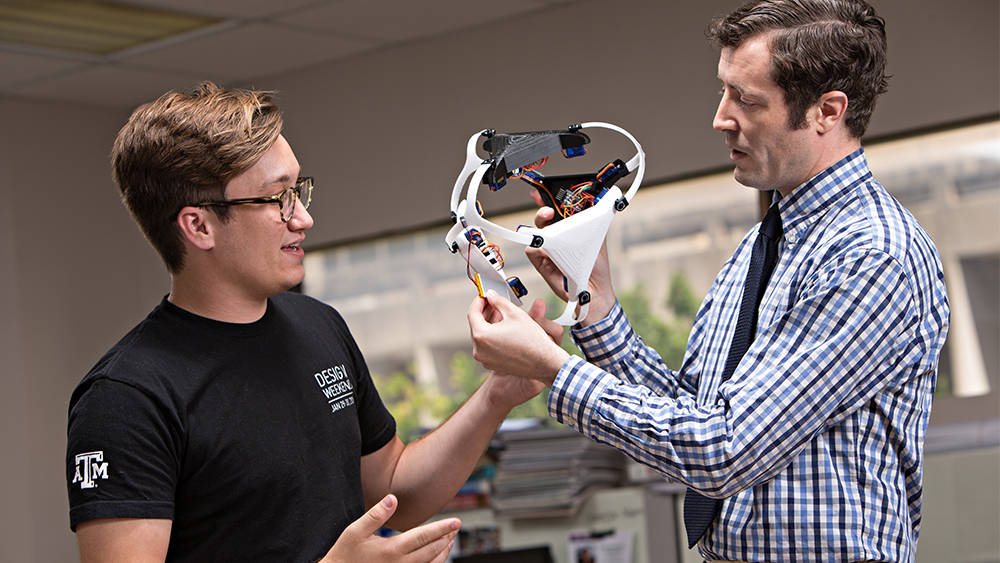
(286, 199)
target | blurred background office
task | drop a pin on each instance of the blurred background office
(379, 97)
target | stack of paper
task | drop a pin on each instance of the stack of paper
(550, 471)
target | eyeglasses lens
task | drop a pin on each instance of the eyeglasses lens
(303, 191)
(287, 204)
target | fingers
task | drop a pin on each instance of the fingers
(548, 270)
(492, 315)
(443, 556)
(375, 518)
(498, 302)
(551, 328)
(504, 307)
(428, 536)
(434, 552)
(477, 313)
(537, 309)
(537, 197)
(544, 215)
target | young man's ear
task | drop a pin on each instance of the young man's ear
(830, 110)
(196, 227)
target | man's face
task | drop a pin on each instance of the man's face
(259, 254)
(768, 154)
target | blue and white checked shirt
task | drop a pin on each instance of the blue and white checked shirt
(816, 442)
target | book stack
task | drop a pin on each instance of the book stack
(546, 472)
(475, 493)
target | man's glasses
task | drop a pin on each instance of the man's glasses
(286, 199)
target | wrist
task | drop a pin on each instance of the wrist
(495, 402)
(554, 364)
(599, 310)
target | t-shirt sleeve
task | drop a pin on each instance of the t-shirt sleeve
(377, 425)
(121, 456)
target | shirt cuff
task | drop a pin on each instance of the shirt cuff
(608, 341)
(575, 393)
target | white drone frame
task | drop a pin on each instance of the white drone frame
(572, 243)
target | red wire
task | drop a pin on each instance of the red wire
(468, 257)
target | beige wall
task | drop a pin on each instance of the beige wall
(643, 64)
(76, 274)
(13, 438)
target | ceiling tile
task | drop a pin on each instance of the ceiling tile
(391, 20)
(235, 9)
(108, 86)
(248, 50)
(258, 38)
(18, 68)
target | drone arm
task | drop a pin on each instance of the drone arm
(471, 213)
(472, 160)
(571, 245)
(637, 163)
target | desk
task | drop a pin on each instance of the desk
(648, 511)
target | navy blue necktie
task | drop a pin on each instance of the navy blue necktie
(699, 510)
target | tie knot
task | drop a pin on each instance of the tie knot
(771, 225)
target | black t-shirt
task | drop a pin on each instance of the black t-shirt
(247, 436)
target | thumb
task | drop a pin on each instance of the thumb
(537, 309)
(375, 518)
(500, 303)
(477, 313)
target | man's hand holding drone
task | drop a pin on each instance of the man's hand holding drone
(512, 342)
(502, 334)
(566, 245)
(602, 294)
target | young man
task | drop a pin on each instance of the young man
(238, 422)
(804, 396)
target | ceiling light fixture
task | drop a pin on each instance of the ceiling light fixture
(92, 27)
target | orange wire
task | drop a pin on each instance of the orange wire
(533, 166)
(496, 249)
(489, 245)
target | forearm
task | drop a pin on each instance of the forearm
(124, 539)
(795, 382)
(612, 345)
(432, 469)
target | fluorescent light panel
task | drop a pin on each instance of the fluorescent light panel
(89, 26)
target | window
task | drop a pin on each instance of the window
(405, 296)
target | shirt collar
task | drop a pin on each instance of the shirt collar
(811, 200)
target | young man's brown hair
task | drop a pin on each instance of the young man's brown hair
(183, 148)
(817, 46)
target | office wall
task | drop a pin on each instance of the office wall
(77, 274)
(395, 121)
(12, 434)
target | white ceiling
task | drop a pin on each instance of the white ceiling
(255, 38)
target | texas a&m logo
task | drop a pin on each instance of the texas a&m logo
(89, 467)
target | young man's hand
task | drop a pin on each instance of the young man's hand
(429, 543)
